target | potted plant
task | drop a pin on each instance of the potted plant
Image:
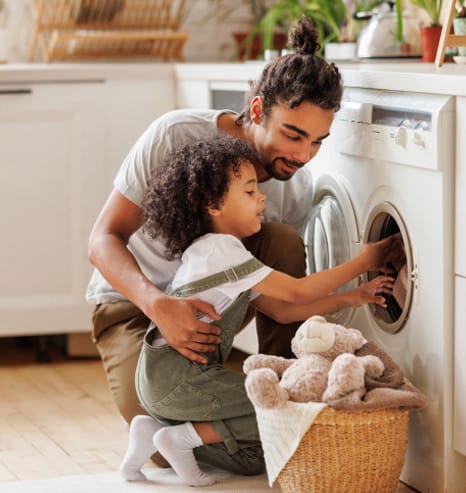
(459, 26)
(327, 16)
(249, 13)
(430, 35)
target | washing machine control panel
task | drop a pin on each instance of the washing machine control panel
(395, 127)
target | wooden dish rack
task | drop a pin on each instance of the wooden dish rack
(107, 29)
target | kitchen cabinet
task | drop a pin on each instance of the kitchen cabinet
(213, 86)
(460, 181)
(51, 170)
(459, 379)
(60, 146)
(459, 414)
(192, 94)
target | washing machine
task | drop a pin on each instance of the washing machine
(388, 167)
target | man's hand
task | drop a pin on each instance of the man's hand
(176, 319)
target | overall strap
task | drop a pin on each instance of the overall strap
(230, 275)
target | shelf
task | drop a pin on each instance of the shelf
(102, 29)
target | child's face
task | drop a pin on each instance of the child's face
(242, 210)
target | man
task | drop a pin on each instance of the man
(287, 117)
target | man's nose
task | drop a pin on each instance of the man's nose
(303, 155)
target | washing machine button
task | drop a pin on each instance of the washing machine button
(418, 139)
(401, 136)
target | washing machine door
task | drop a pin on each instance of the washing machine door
(331, 235)
(383, 220)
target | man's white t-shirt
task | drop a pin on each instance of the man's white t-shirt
(287, 201)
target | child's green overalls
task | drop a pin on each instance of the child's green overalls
(174, 389)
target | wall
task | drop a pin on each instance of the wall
(210, 37)
(15, 28)
(200, 20)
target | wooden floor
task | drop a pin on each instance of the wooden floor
(55, 418)
(58, 418)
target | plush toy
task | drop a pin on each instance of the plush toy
(325, 369)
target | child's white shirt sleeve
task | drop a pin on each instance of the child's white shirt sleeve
(214, 253)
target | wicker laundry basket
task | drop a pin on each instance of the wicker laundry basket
(345, 452)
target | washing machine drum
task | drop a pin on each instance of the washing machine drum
(385, 220)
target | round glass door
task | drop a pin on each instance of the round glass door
(384, 220)
(330, 235)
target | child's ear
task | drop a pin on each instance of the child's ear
(213, 210)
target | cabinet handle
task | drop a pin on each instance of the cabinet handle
(9, 92)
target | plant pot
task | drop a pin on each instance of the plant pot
(340, 51)
(430, 37)
(255, 49)
(459, 27)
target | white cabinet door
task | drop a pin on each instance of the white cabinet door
(52, 173)
(459, 420)
(460, 209)
(459, 417)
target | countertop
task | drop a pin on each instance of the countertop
(414, 76)
(71, 72)
(395, 75)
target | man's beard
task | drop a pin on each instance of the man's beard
(272, 168)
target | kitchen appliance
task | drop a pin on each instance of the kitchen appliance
(388, 167)
(378, 39)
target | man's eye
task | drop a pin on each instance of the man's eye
(294, 137)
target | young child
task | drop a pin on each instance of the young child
(204, 204)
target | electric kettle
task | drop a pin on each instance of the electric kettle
(377, 38)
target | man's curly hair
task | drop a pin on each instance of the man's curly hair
(190, 180)
(299, 77)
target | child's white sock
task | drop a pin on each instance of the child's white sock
(140, 447)
(176, 444)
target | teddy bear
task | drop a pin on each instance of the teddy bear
(324, 370)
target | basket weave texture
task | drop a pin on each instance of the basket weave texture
(346, 452)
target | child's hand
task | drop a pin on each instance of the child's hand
(369, 291)
(380, 253)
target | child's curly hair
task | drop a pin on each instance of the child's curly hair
(189, 181)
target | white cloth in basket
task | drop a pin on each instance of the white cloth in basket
(281, 431)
